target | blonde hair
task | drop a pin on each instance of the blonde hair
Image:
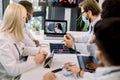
(13, 21)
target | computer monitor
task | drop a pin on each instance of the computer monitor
(58, 27)
(60, 3)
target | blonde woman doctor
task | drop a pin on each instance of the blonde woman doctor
(12, 49)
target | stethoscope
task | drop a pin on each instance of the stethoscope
(20, 56)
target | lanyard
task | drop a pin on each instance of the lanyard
(113, 71)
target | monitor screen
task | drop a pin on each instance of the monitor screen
(59, 3)
(55, 26)
(68, 3)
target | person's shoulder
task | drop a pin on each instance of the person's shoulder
(3, 38)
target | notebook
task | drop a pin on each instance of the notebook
(60, 48)
(55, 29)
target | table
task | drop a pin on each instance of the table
(58, 61)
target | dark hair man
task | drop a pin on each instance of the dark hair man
(91, 11)
(29, 39)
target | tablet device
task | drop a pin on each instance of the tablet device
(48, 60)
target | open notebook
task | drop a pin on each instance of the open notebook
(55, 29)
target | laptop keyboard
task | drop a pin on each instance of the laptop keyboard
(51, 35)
(60, 48)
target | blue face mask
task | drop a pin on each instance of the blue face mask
(85, 20)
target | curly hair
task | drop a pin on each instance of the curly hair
(110, 8)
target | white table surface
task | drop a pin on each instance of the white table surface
(58, 60)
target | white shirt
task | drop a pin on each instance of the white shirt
(28, 38)
(102, 73)
(85, 38)
(58, 30)
(10, 65)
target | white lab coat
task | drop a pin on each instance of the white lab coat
(10, 65)
(28, 37)
(100, 74)
(85, 38)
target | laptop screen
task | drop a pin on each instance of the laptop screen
(58, 27)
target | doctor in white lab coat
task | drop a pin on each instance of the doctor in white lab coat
(29, 39)
(12, 49)
(91, 11)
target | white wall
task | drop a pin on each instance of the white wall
(68, 17)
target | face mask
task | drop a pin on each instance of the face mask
(85, 20)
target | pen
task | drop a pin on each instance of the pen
(57, 70)
(70, 64)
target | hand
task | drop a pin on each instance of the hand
(36, 42)
(39, 58)
(69, 40)
(72, 67)
(43, 52)
(49, 76)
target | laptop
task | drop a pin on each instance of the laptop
(55, 29)
(85, 60)
(60, 48)
(48, 60)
